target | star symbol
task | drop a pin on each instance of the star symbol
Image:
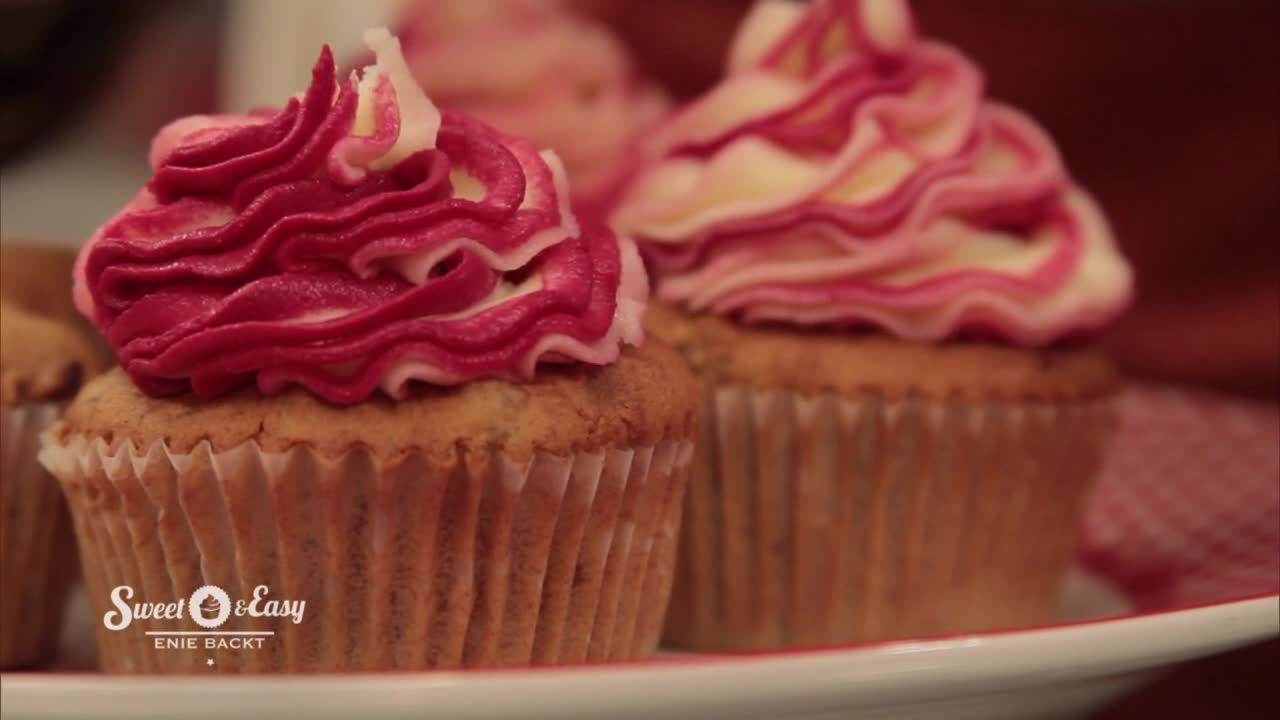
(209, 662)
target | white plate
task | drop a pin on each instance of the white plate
(1055, 672)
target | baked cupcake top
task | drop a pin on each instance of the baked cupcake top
(356, 239)
(42, 359)
(562, 81)
(847, 172)
(647, 396)
(37, 278)
(47, 349)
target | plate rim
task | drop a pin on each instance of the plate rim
(699, 658)
(863, 677)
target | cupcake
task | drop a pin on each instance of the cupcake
(37, 278)
(382, 402)
(43, 360)
(888, 285)
(563, 81)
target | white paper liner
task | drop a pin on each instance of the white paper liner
(37, 552)
(824, 519)
(402, 565)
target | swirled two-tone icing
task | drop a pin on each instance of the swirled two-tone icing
(356, 239)
(848, 173)
(533, 69)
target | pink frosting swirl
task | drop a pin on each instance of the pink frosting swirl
(848, 173)
(562, 81)
(353, 240)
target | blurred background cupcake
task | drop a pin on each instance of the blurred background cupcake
(534, 69)
(36, 277)
(541, 69)
(887, 284)
(44, 358)
(373, 367)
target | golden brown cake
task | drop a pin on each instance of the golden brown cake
(37, 278)
(809, 362)
(641, 399)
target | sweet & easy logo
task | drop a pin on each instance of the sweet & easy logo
(209, 607)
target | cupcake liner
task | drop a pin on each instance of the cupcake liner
(814, 520)
(401, 563)
(37, 551)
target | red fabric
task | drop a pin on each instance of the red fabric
(1187, 510)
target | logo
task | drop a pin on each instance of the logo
(213, 608)
(209, 607)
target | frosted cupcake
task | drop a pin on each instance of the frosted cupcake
(533, 69)
(887, 284)
(42, 363)
(375, 376)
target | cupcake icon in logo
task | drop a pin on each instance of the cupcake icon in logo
(210, 606)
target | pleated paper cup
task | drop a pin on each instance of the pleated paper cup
(37, 549)
(401, 563)
(826, 519)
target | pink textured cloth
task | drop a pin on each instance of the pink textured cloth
(1188, 507)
